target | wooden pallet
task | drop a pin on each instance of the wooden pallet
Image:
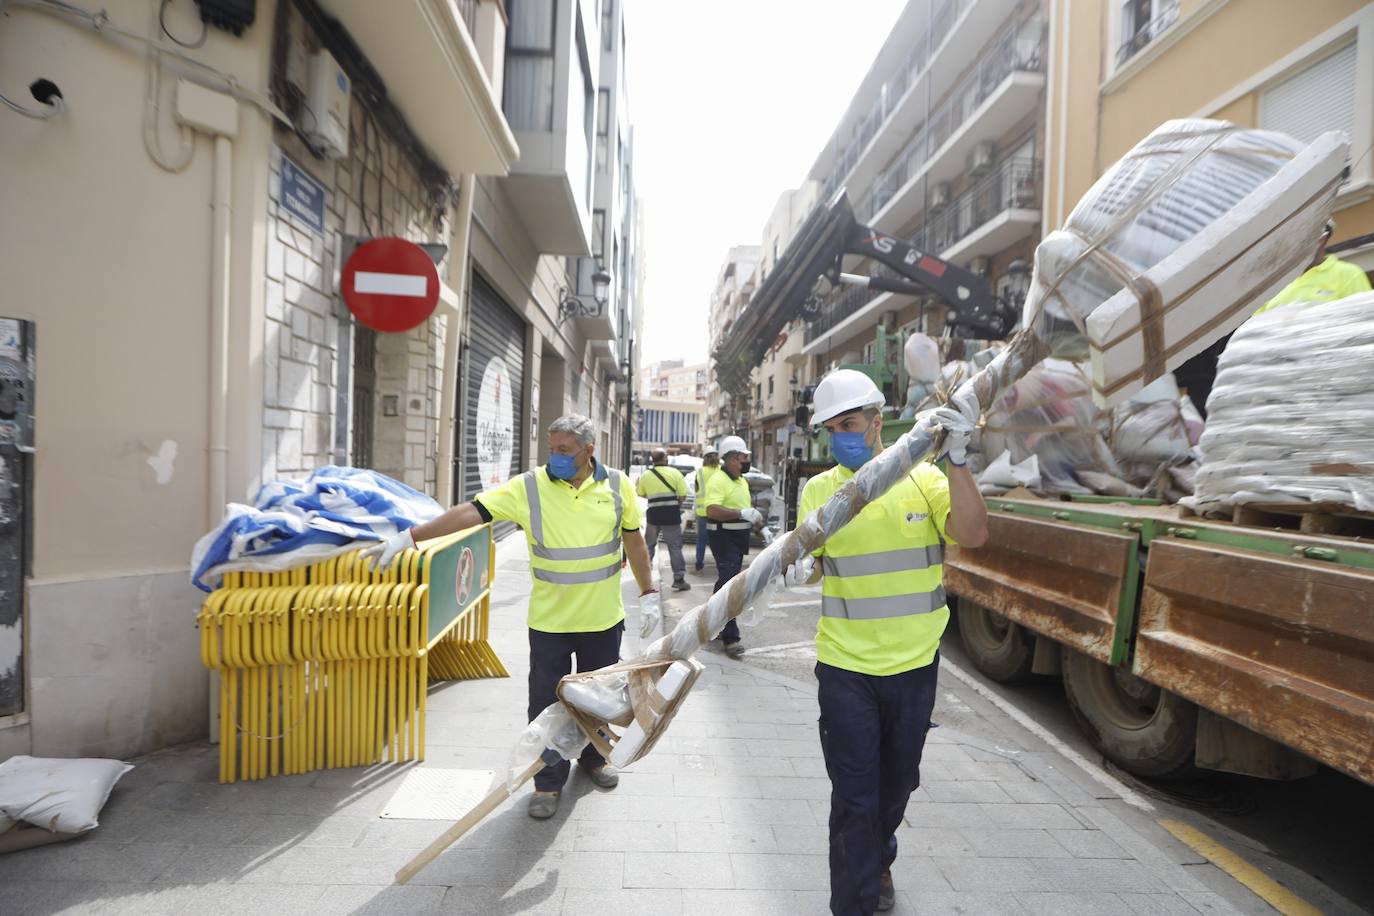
(1308, 518)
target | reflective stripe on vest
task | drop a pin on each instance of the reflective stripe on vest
(729, 526)
(880, 608)
(887, 561)
(571, 553)
(576, 578)
(665, 498)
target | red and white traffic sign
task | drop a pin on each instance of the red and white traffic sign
(390, 284)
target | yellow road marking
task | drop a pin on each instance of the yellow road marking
(1264, 887)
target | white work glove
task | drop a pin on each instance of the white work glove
(380, 554)
(751, 515)
(650, 613)
(800, 572)
(958, 430)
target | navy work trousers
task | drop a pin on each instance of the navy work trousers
(551, 656)
(728, 549)
(873, 730)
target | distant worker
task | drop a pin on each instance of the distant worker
(665, 489)
(1326, 279)
(575, 512)
(730, 516)
(710, 467)
(883, 612)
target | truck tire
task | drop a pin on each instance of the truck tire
(1141, 728)
(999, 648)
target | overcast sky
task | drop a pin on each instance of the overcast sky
(731, 102)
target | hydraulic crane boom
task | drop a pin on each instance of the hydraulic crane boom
(828, 235)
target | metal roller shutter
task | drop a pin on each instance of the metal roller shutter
(494, 412)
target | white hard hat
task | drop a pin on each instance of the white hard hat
(732, 444)
(842, 391)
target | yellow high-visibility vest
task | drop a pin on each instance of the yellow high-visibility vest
(573, 536)
(1330, 280)
(732, 493)
(704, 475)
(658, 493)
(883, 607)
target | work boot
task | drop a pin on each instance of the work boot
(604, 776)
(680, 585)
(734, 649)
(543, 805)
(887, 894)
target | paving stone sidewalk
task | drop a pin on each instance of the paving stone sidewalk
(728, 815)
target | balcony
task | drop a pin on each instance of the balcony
(931, 66)
(999, 210)
(988, 102)
(549, 102)
(1147, 30)
(424, 52)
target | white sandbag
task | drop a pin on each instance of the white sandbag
(1290, 419)
(921, 355)
(1004, 475)
(61, 795)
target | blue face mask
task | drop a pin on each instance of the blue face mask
(563, 467)
(850, 449)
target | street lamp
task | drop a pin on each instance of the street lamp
(1018, 283)
(571, 305)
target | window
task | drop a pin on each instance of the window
(528, 102)
(598, 234)
(603, 127)
(1318, 98)
(770, 386)
(1142, 21)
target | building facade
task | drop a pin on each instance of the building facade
(199, 351)
(1118, 70)
(671, 400)
(942, 146)
(727, 413)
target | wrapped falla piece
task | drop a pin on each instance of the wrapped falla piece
(1161, 257)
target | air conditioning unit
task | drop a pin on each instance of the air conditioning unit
(980, 266)
(939, 195)
(980, 161)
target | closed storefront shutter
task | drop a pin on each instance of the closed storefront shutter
(494, 412)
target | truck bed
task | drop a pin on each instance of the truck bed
(1273, 628)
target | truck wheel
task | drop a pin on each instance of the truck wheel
(999, 648)
(1141, 728)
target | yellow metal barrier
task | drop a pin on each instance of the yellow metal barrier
(327, 665)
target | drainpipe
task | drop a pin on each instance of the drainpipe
(217, 115)
(448, 384)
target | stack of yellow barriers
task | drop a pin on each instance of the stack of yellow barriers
(327, 665)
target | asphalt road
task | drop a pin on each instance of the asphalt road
(1315, 836)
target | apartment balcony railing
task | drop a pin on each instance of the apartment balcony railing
(1141, 34)
(1018, 48)
(943, 17)
(1012, 185)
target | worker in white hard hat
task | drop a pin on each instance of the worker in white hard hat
(730, 516)
(883, 612)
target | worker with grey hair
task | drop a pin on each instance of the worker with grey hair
(664, 488)
(576, 513)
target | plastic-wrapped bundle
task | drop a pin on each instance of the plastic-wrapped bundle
(1050, 414)
(1176, 183)
(1290, 420)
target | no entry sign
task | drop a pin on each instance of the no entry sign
(390, 284)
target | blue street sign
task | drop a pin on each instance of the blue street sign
(302, 196)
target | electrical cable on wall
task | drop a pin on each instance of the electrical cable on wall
(162, 21)
(152, 109)
(47, 93)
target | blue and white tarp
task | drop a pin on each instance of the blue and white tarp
(293, 523)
